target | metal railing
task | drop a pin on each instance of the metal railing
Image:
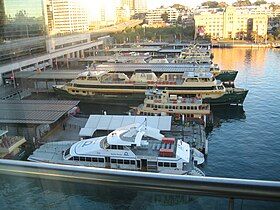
(211, 186)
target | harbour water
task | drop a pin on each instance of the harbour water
(244, 143)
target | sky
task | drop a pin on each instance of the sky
(191, 3)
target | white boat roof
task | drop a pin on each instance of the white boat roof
(197, 74)
(113, 122)
(93, 73)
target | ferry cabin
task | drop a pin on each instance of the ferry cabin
(124, 157)
(188, 83)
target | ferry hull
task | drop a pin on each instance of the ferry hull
(230, 98)
(233, 97)
(227, 76)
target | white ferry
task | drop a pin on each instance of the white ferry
(135, 147)
(195, 54)
(110, 87)
(160, 102)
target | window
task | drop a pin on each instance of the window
(113, 146)
(94, 159)
(76, 158)
(166, 164)
(120, 161)
(82, 159)
(88, 159)
(174, 165)
(126, 161)
(160, 164)
(101, 160)
(113, 161)
(132, 162)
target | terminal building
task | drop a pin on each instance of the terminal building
(25, 44)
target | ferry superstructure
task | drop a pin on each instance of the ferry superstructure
(105, 86)
(195, 54)
(160, 102)
(135, 147)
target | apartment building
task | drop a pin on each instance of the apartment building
(231, 23)
(66, 16)
(155, 17)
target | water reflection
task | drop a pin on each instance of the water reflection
(242, 59)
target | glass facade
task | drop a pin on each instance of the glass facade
(22, 29)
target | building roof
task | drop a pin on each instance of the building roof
(65, 75)
(112, 122)
(34, 111)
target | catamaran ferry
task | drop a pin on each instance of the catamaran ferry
(108, 87)
(160, 102)
(135, 147)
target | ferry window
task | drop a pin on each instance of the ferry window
(88, 159)
(71, 158)
(160, 164)
(77, 91)
(120, 147)
(84, 91)
(94, 159)
(170, 107)
(188, 107)
(82, 159)
(101, 160)
(73, 91)
(174, 165)
(113, 161)
(174, 107)
(148, 105)
(67, 152)
(181, 107)
(132, 162)
(113, 146)
(166, 107)
(166, 164)
(156, 106)
(120, 161)
(126, 161)
(76, 158)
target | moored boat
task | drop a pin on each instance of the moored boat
(160, 102)
(117, 87)
(135, 147)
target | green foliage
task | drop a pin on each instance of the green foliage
(164, 17)
(259, 2)
(210, 4)
(241, 3)
(168, 34)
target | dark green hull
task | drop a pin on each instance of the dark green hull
(227, 76)
(233, 97)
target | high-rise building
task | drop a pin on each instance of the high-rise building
(135, 6)
(128, 3)
(67, 16)
(140, 6)
(22, 29)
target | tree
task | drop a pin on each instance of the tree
(259, 2)
(164, 17)
(210, 4)
(242, 3)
